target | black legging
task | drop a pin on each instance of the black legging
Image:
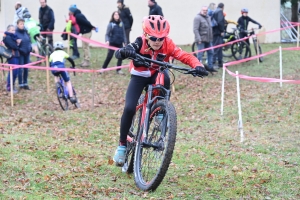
(109, 56)
(134, 91)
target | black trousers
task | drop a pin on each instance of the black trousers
(127, 32)
(134, 91)
(218, 54)
(110, 54)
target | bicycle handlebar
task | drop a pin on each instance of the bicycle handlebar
(184, 70)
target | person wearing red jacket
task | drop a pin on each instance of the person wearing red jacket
(76, 29)
(154, 40)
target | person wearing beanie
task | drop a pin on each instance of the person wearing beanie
(86, 30)
(74, 29)
(126, 18)
(155, 9)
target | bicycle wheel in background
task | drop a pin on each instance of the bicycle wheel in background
(240, 50)
(133, 131)
(195, 48)
(77, 104)
(3, 71)
(261, 59)
(62, 98)
(48, 50)
(153, 155)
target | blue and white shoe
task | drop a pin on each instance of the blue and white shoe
(119, 157)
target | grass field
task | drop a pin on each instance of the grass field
(50, 154)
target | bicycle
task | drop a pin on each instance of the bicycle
(152, 135)
(63, 94)
(255, 41)
(44, 49)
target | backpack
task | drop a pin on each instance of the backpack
(214, 22)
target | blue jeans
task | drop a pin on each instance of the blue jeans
(209, 52)
(218, 52)
(15, 72)
(23, 72)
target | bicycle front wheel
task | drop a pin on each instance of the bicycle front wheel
(1, 61)
(259, 50)
(133, 132)
(153, 153)
(240, 50)
(62, 98)
(194, 48)
(77, 104)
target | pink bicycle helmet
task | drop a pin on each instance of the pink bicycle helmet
(156, 25)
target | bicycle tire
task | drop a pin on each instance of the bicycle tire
(48, 49)
(261, 59)
(133, 132)
(195, 48)
(147, 176)
(238, 48)
(62, 98)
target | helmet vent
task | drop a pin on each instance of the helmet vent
(152, 25)
(158, 25)
(164, 25)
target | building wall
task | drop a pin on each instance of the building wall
(179, 13)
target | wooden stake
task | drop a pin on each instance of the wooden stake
(11, 87)
(298, 35)
(47, 74)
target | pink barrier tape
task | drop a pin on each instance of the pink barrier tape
(260, 79)
(37, 55)
(63, 69)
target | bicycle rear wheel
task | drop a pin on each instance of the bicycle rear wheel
(133, 132)
(3, 71)
(48, 50)
(77, 104)
(62, 98)
(240, 50)
(154, 153)
(194, 48)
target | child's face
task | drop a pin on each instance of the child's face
(12, 30)
(245, 14)
(156, 44)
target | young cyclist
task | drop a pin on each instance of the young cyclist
(57, 60)
(243, 22)
(153, 41)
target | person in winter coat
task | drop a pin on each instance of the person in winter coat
(204, 36)
(12, 42)
(20, 10)
(155, 9)
(126, 18)
(76, 30)
(218, 33)
(47, 20)
(86, 30)
(24, 49)
(115, 36)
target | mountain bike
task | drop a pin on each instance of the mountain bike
(152, 135)
(255, 41)
(44, 49)
(63, 94)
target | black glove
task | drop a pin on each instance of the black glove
(259, 26)
(126, 53)
(201, 71)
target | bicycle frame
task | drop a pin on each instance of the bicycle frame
(66, 92)
(152, 95)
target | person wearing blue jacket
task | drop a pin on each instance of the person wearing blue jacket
(11, 41)
(24, 49)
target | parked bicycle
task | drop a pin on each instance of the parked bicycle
(255, 42)
(63, 94)
(44, 49)
(152, 135)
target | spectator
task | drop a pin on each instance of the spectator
(126, 18)
(24, 49)
(86, 30)
(211, 9)
(115, 36)
(204, 36)
(19, 12)
(75, 29)
(47, 20)
(12, 42)
(218, 33)
(155, 9)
